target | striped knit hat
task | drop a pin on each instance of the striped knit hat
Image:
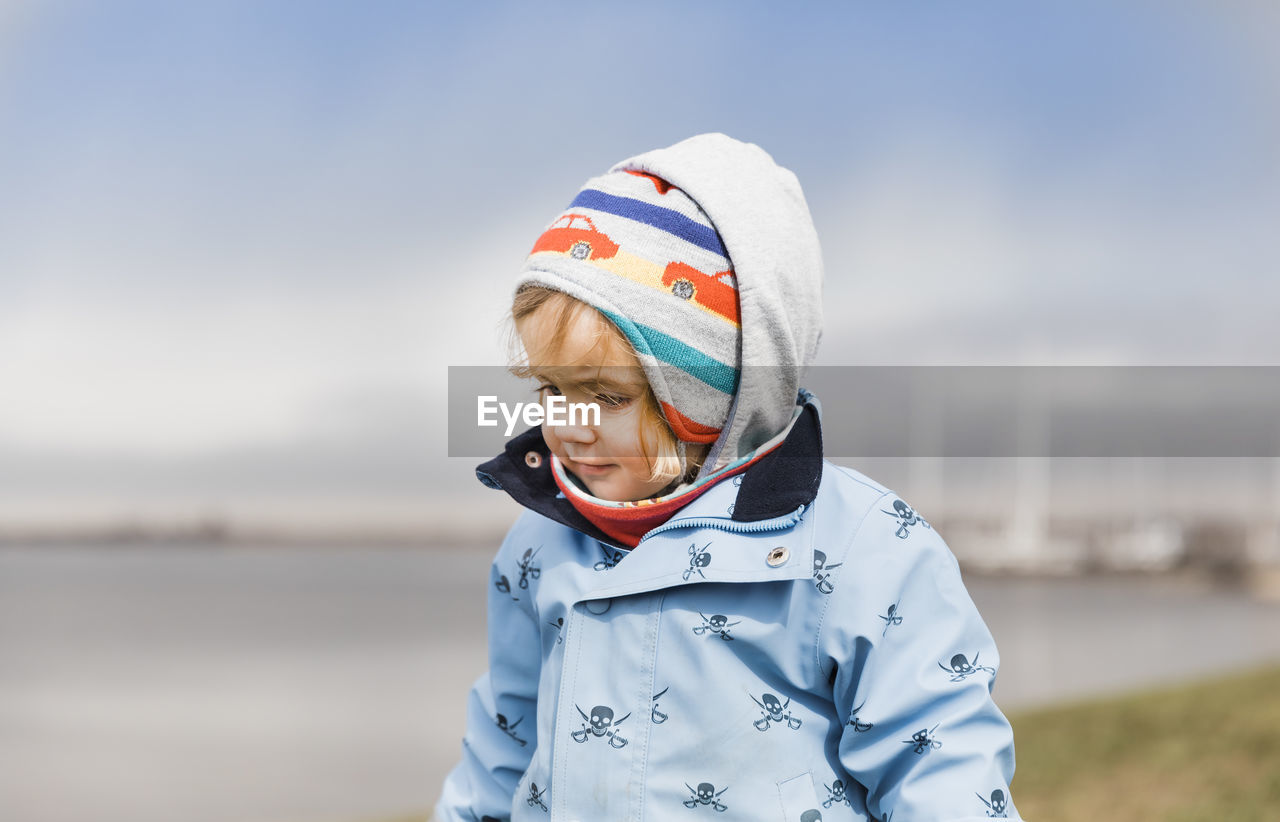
(646, 256)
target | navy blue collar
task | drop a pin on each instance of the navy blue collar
(775, 485)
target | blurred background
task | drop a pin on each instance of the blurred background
(241, 244)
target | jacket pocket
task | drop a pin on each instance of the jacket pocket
(799, 799)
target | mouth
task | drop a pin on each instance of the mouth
(594, 468)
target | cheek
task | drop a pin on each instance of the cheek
(621, 431)
(553, 442)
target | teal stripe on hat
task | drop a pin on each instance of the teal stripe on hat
(668, 349)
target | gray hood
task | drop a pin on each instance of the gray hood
(761, 215)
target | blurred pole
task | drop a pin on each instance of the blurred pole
(925, 443)
(1263, 537)
(1027, 531)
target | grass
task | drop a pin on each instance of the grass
(1205, 751)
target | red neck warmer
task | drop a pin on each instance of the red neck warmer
(628, 522)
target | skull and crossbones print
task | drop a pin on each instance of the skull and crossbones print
(822, 572)
(527, 568)
(836, 794)
(906, 518)
(705, 794)
(961, 667)
(535, 796)
(658, 717)
(699, 558)
(923, 740)
(774, 712)
(996, 807)
(600, 724)
(858, 725)
(891, 617)
(716, 624)
(611, 558)
(510, 730)
(504, 585)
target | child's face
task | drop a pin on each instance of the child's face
(607, 458)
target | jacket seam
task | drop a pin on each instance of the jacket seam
(864, 481)
(577, 669)
(652, 652)
(673, 581)
(822, 617)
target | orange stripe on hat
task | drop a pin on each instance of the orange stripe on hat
(661, 185)
(686, 429)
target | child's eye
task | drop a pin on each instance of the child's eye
(612, 400)
(548, 387)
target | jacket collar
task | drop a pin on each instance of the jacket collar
(774, 486)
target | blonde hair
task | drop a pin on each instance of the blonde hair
(558, 311)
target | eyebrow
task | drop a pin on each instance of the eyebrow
(603, 383)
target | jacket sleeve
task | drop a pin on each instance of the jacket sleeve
(482, 785)
(912, 666)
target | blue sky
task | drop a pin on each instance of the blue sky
(237, 235)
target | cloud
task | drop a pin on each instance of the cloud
(226, 275)
(943, 250)
(89, 369)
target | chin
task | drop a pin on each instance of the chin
(605, 491)
(605, 488)
(594, 487)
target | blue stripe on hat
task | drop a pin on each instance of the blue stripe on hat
(669, 350)
(672, 222)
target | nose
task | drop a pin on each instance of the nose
(578, 434)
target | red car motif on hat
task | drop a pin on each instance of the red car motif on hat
(577, 236)
(710, 292)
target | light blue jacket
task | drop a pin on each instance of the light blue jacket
(796, 644)
(826, 663)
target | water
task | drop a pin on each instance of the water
(210, 684)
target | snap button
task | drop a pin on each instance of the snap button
(777, 556)
(533, 459)
(598, 606)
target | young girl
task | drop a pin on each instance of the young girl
(698, 615)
